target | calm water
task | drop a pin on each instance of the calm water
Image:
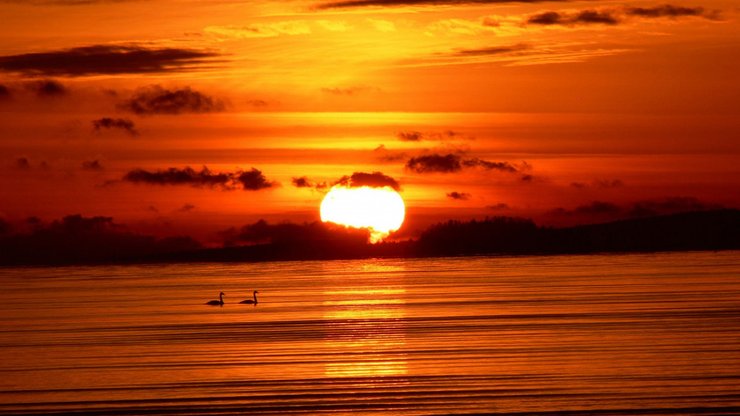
(622, 334)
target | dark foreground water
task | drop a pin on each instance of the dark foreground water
(621, 334)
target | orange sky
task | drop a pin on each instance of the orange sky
(565, 112)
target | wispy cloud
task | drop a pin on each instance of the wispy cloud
(105, 59)
(158, 100)
(251, 180)
(262, 30)
(108, 123)
(343, 4)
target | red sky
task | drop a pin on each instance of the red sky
(565, 112)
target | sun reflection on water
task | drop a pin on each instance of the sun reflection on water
(366, 331)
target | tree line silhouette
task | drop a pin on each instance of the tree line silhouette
(96, 240)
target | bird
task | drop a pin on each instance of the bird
(219, 302)
(250, 301)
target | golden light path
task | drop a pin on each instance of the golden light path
(380, 210)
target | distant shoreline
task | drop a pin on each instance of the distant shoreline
(717, 230)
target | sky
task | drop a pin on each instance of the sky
(183, 117)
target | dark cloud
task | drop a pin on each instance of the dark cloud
(500, 166)
(409, 136)
(104, 59)
(491, 50)
(451, 163)
(461, 196)
(666, 10)
(4, 92)
(47, 88)
(22, 163)
(158, 100)
(373, 180)
(93, 165)
(415, 136)
(583, 17)
(175, 176)
(615, 16)
(348, 91)
(186, 208)
(393, 3)
(302, 182)
(115, 123)
(253, 180)
(435, 163)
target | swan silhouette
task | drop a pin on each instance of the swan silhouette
(219, 302)
(250, 301)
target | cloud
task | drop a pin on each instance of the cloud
(409, 136)
(158, 100)
(47, 88)
(92, 165)
(491, 50)
(253, 180)
(115, 123)
(435, 163)
(349, 91)
(305, 182)
(666, 10)
(583, 17)
(22, 163)
(500, 166)
(395, 3)
(460, 196)
(415, 136)
(104, 60)
(373, 180)
(616, 16)
(302, 182)
(4, 92)
(451, 163)
(382, 25)
(175, 176)
(186, 208)
(260, 30)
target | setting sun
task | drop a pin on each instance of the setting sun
(380, 210)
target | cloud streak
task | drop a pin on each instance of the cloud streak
(373, 180)
(451, 163)
(105, 60)
(107, 123)
(251, 180)
(158, 100)
(345, 4)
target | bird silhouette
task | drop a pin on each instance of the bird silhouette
(219, 302)
(251, 301)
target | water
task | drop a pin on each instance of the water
(619, 334)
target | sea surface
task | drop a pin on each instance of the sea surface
(601, 334)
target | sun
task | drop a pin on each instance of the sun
(380, 210)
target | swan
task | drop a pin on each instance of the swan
(219, 302)
(250, 301)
